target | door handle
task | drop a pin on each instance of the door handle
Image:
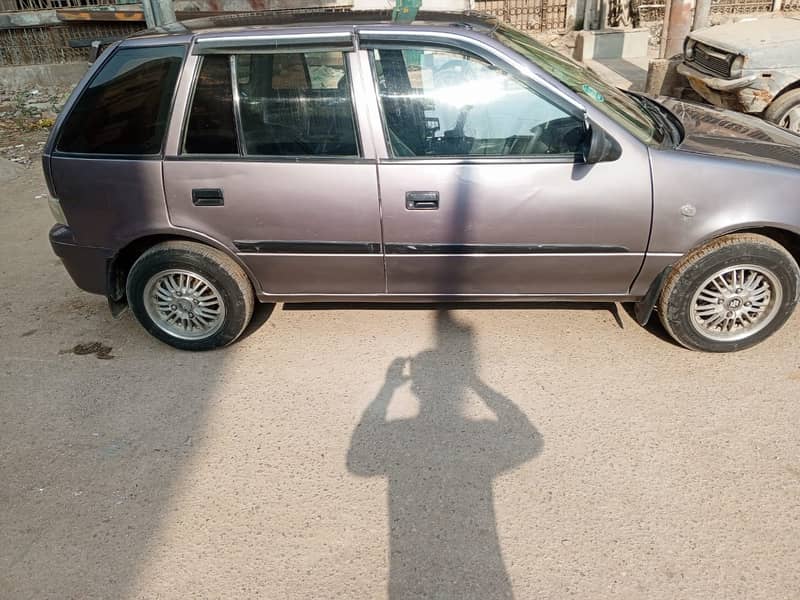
(422, 200)
(207, 197)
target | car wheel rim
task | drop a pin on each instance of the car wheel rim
(736, 303)
(184, 304)
(791, 120)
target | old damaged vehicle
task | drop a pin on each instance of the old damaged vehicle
(752, 66)
(200, 169)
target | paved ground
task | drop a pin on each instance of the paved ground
(624, 73)
(539, 453)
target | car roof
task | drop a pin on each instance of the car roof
(329, 19)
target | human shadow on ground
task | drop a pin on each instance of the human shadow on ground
(440, 466)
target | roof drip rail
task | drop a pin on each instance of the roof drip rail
(267, 42)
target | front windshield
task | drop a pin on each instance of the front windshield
(611, 101)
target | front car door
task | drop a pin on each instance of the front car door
(483, 189)
(269, 162)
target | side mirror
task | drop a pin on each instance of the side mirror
(599, 146)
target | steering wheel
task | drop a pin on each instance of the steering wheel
(557, 136)
(533, 143)
(453, 72)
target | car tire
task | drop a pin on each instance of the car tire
(190, 296)
(785, 111)
(730, 294)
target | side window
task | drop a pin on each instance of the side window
(289, 72)
(125, 107)
(296, 104)
(439, 102)
(211, 128)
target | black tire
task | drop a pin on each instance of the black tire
(780, 107)
(694, 270)
(215, 267)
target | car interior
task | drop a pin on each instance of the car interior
(296, 104)
(443, 103)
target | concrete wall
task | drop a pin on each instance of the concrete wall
(30, 18)
(611, 43)
(24, 77)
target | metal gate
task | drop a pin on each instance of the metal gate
(530, 15)
(654, 11)
(57, 44)
(25, 5)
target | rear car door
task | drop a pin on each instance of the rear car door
(483, 187)
(270, 163)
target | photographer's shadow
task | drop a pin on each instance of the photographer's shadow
(440, 465)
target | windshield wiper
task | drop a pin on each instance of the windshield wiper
(662, 118)
(675, 124)
(655, 115)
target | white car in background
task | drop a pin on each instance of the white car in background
(752, 66)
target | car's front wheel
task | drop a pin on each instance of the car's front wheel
(785, 111)
(190, 296)
(730, 294)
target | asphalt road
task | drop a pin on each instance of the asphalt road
(359, 452)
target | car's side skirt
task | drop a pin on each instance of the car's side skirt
(443, 298)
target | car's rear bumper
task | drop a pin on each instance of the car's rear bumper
(734, 94)
(87, 265)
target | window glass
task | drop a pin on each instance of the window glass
(211, 128)
(296, 104)
(623, 108)
(289, 72)
(440, 102)
(125, 108)
(326, 70)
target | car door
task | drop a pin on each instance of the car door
(483, 188)
(270, 164)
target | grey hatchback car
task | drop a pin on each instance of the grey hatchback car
(343, 157)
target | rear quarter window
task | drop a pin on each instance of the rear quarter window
(125, 108)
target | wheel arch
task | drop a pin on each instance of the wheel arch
(120, 264)
(787, 238)
(790, 240)
(792, 85)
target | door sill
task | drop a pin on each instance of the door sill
(444, 298)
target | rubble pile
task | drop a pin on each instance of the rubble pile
(25, 119)
(25, 109)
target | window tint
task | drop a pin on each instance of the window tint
(211, 128)
(296, 104)
(289, 72)
(124, 110)
(445, 103)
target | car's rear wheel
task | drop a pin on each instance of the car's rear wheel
(190, 296)
(730, 294)
(785, 111)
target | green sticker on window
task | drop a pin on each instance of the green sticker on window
(592, 93)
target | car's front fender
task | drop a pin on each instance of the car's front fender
(697, 198)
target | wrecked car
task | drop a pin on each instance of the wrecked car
(200, 169)
(752, 66)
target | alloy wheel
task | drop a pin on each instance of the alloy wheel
(736, 302)
(184, 304)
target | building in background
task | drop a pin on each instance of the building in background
(46, 32)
